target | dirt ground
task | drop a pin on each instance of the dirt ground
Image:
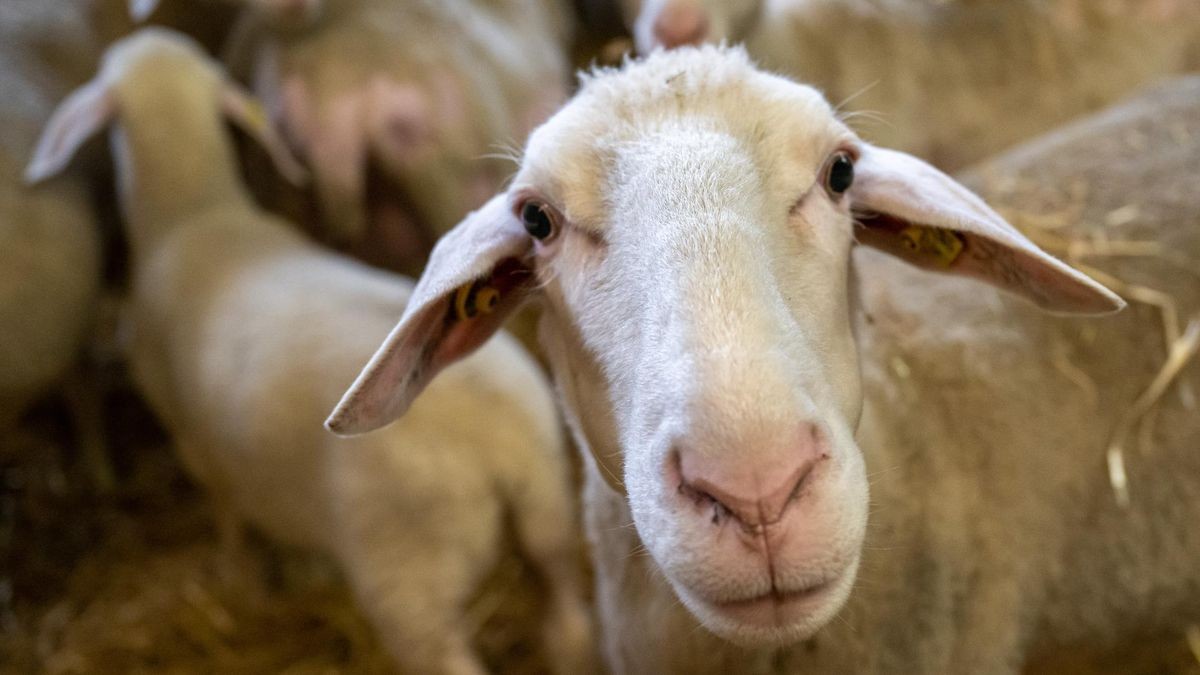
(133, 581)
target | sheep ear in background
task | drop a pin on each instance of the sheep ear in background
(82, 115)
(482, 257)
(249, 115)
(140, 10)
(910, 209)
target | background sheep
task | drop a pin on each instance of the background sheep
(50, 245)
(688, 221)
(953, 81)
(1096, 192)
(50, 241)
(225, 296)
(373, 89)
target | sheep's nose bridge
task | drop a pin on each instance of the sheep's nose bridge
(684, 165)
(739, 322)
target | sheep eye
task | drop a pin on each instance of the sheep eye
(841, 174)
(538, 222)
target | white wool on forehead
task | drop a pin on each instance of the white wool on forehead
(689, 74)
(623, 122)
(720, 84)
(682, 73)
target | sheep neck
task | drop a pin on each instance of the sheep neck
(156, 187)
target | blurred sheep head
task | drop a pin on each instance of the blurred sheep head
(675, 23)
(134, 72)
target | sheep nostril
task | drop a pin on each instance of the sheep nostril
(719, 511)
(702, 498)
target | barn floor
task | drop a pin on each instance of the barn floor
(134, 582)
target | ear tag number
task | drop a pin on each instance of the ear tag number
(474, 299)
(943, 246)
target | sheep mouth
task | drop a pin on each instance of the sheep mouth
(776, 608)
(778, 617)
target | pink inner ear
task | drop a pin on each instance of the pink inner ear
(886, 232)
(1029, 273)
(911, 210)
(483, 255)
(511, 278)
(420, 347)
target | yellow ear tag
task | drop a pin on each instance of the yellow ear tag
(943, 246)
(486, 299)
(474, 299)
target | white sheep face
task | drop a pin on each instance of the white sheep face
(705, 269)
(688, 222)
(674, 23)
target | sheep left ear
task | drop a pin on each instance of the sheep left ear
(477, 276)
(248, 114)
(80, 116)
(908, 208)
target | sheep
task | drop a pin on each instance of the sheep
(687, 224)
(49, 241)
(245, 332)
(427, 93)
(52, 298)
(953, 81)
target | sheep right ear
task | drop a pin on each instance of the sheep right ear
(248, 114)
(913, 211)
(477, 275)
(83, 114)
(140, 10)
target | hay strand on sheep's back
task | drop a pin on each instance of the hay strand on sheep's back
(1181, 352)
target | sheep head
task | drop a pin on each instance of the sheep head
(688, 223)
